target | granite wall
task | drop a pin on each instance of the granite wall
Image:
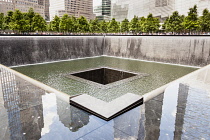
(188, 50)
(16, 50)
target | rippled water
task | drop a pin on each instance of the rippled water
(53, 74)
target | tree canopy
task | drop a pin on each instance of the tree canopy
(134, 25)
(31, 22)
(174, 23)
(205, 21)
(151, 24)
(191, 22)
(113, 26)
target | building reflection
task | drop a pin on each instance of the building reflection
(72, 117)
(26, 110)
(181, 107)
(164, 115)
(160, 118)
(23, 103)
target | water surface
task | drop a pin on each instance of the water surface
(53, 74)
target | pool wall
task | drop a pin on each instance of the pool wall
(186, 50)
(19, 50)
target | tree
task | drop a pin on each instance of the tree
(205, 21)
(165, 23)
(125, 25)
(191, 22)
(39, 23)
(49, 27)
(83, 25)
(55, 24)
(104, 26)
(18, 22)
(1, 20)
(151, 24)
(75, 24)
(29, 16)
(174, 23)
(64, 27)
(95, 26)
(113, 26)
(134, 25)
(7, 19)
(141, 23)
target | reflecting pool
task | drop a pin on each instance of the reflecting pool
(54, 75)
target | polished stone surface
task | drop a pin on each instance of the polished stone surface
(106, 110)
(181, 112)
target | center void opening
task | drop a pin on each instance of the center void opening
(104, 75)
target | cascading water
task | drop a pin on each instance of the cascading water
(188, 50)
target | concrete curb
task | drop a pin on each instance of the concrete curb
(59, 94)
(161, 89)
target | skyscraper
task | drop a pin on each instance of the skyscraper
(103, 9)
(159, 8)
(120, 9)
(75, 8)
(6, 6)
(23, 6)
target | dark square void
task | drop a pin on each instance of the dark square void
(104, 75)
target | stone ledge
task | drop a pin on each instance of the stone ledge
(106, 110)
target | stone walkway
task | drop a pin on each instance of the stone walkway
(181, 112)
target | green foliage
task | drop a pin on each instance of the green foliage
(49, 27)
(83, 25)
(29, 17)
(134, 25)
(38, 23)
(31, 21)
(174, 23)
(64, 26)
(205, 21)
(1, 20)
(7, 19)
(24, 22)
(191, 22)
(95, 26)
(113, 26)
(104, 26)
(151, 24)
(75, 24)
(18, 22)
(55, 24)
(125, 25)
(165, 23)
(141, 23)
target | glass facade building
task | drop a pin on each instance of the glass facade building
(75, 8)
(122, 9)
(102, 10)
(39, 6)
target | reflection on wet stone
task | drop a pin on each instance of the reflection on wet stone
(28, 113)
(71, 117)
(153, 112)
(23, 102)
(182, 100)
(79, 119)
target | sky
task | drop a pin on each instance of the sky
(96, 2)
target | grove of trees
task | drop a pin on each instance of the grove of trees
(33, 22)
